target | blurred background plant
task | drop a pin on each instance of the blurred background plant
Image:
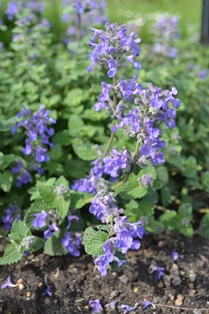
(44, 57)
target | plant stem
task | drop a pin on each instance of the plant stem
(114, 107)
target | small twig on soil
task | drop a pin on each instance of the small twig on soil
(179, 307)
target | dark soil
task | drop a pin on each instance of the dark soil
(73, 281)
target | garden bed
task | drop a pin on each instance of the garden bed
(74, 282)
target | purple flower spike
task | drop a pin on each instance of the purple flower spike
(127, 308)
(8, 284)
(96, 306)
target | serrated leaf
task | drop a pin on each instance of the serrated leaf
(76, 200)
(187, 230)
(104, 228)
(53, 245)
(19, 231)
(62, 206)
(204, 226)
(37, 244)
(165, 195)
(168, 216)
(85, 151)
(75, 124)
(47, 195)
(94, 241)
(132, 188)
(6, 179)
(11, 255)
(62, 181)
(162, 174)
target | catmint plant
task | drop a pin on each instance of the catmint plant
(138, 111)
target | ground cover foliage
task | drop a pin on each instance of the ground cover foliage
(46, 156)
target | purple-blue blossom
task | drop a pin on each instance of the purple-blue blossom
(114, 48)
(12, 9)
(38, 137)
(146, 304)
(8, 218)
(47, 291)
(72, 242)
(126, 308)
(8, 283)
(96, 306)
(48, 233)
(175, 255)
(160, 271)
(40, 220)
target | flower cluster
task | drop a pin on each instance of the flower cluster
(166, 31)
(15, 6)
(71, 240)
(114, 48)
(82, 14)
(151, 106)
(125, 234)
(38, 136)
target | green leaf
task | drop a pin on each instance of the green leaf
(85, 151)
(53, 245)
(37, 245)
(162, 174)
(47, 195)
(168, 216)
(19, 231)
(94, 241)
(132, 188)
(165, 195)
(187, 230)
(11, 255)
(61, 181)
(6, 179)
(76, 200)
(62, 206)
(204, 226)
(75, 124)
(191, 167)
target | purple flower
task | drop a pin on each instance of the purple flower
(41, 155)
(114, 48)
(47, 291)
(175, 255)
(40, 220)
(203, 74)
(95, 305)
(50, 231)
(158, 269)
(146, 304)
(111, 305)
(28, 148)
(12, 9)
(126, 308)
(70, 218)
(72, 242)
(116, 161)
(9, 215)
(8, 284)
